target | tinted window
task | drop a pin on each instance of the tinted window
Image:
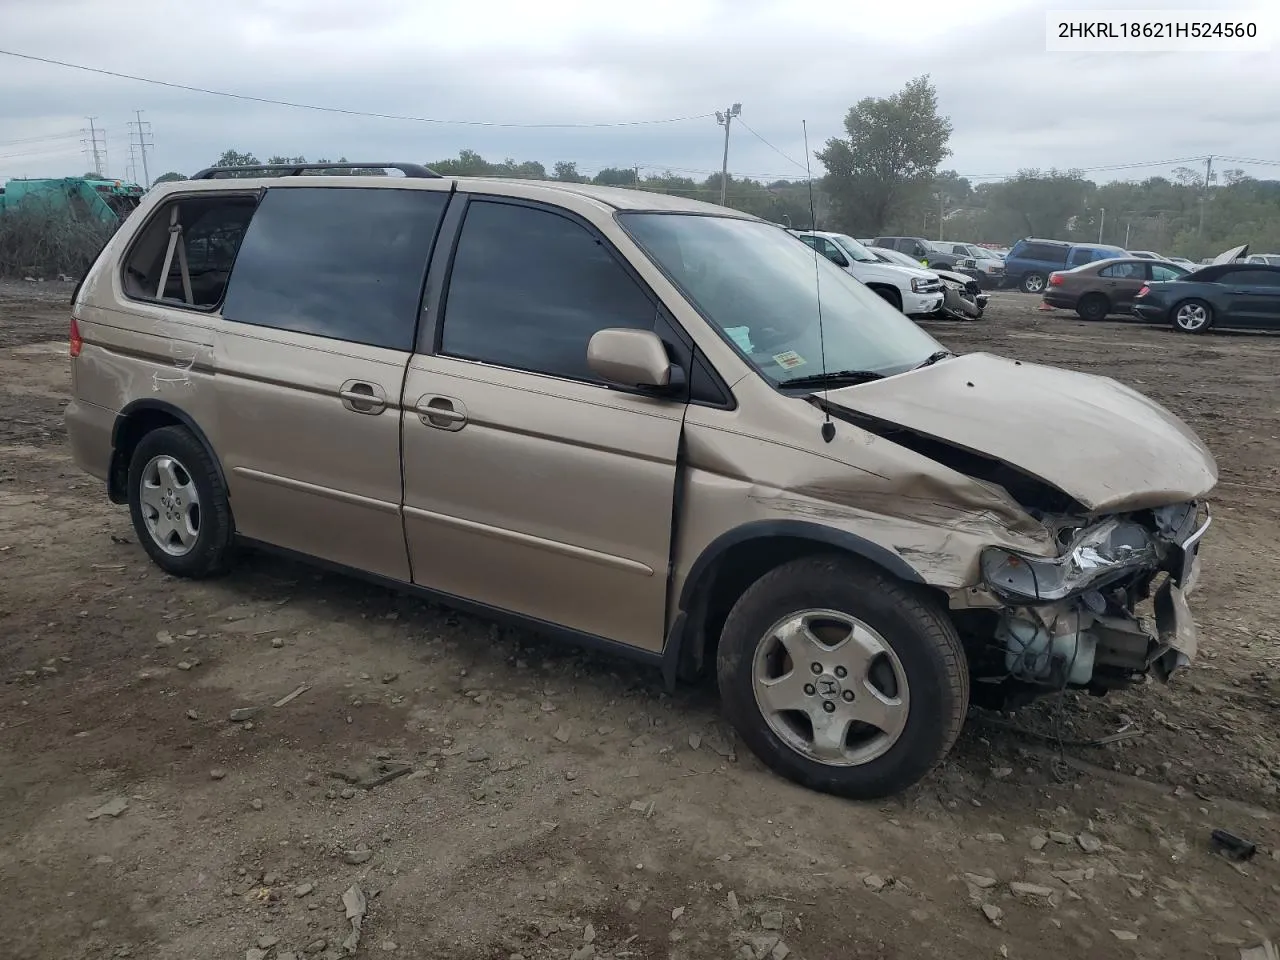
(1048, 252)
(530, 287)
(1123, 271)
(1253, 278)
(1079, 255)
(341, 263)
(1161, 272)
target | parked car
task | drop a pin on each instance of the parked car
(962, 295)
(1105, 286)
(1183, 262)
(975, 261)
(1146, 255)
(1265, 259)
(1030, 262)
(642, 423)
(913, 290)
(918, 248)
(1230, 293)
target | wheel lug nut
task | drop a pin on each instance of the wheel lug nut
(841, 672)
(809, 690)
(848, 695)
(815, 667)
(828, 706)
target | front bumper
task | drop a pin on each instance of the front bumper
(921, 304)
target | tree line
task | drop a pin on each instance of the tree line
(884, 177)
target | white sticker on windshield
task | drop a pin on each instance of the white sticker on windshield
(741, 336)
(788, 360)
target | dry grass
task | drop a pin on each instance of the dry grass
(45, 244)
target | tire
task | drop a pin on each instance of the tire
(1093, 307)
(914, 680)
(179, 504)
(890, 296)
(1191, 316)
(1032, 282)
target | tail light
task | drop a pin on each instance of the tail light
(1055, 279)
(1144, 290)
(77, 343)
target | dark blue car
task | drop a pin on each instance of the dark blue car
(1030, 262)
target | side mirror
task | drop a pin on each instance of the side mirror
(630, 358)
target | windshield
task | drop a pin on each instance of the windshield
(897, 257)
(853, 248)
(756, 285)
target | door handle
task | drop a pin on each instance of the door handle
(443, 413)
(359, 396)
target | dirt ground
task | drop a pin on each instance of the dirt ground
(561, 804)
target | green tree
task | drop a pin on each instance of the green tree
(234, 158)
(169, 177)
(889, 158)
(567, 171)
(616, 177)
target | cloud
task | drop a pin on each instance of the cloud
(1013, 104)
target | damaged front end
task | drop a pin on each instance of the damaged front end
(1074, 620)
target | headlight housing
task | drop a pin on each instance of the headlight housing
(920, 284)
(1097, 555)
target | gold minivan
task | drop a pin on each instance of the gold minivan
(644, 424)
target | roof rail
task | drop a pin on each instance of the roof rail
(296, 169)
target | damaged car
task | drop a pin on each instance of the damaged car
(643, 424)
(962, 296)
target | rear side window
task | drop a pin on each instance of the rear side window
(183, 256)
(530, 287)
(345, 263)
(1048, 252)
(1123, 271)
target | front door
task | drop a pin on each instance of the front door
(1253, 298)
(317, 330)
(530, 486)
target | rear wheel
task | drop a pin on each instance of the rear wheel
(1192, 316)
(1032, 282)
(179, 504)
(841, 678)
(890, 295)
(1093, 307)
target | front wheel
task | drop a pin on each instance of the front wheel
(1192, 316)
(179, 504)
(841, 678)
(891, 296)
(1033, 283)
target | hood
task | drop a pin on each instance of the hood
(916, 272)
(1235, 253)
(961, 278)
(1101, 443)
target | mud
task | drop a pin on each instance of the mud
(557, 796)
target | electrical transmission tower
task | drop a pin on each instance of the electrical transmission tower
(95, 146)
(140, 133)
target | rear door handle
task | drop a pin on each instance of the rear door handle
(443, 413)
(359, 396)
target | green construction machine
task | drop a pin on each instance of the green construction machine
(85, 198)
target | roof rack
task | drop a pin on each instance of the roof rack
(296, 169)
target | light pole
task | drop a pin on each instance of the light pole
(725, 119)
(1102, 223)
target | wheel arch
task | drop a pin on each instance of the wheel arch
(880, 288)
(1096, 296)
(735, 560)
(134, 422)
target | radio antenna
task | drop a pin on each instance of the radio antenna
(828, 428)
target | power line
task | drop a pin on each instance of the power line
(340, 110)
(23, 141)
(770, 145)
(1101, 169)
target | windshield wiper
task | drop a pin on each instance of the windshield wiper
(933, 358)
(845, 377)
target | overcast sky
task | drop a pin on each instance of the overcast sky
(586, 62)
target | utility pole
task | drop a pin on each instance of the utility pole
(1127, 225)
(1102, 223)
(142, 130)
(941, 212)
(1208, 175)
(725, 119)
(95, 145)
